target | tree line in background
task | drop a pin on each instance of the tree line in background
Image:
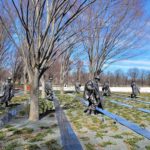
(77, 72)
(46, 38)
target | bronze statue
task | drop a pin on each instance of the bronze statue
(77, 87)
(106, 89)
(49, 89)
(8, 92)
(92, 94)
(135, 90)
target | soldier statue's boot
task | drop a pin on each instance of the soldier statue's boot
(86, 110)
(103, 120)
(133, 96)
(90, 112)
(96, 112)
(100, 105)
(6, 104)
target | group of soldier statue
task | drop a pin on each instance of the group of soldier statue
(91, 92)
(95, 98)
(7, 92)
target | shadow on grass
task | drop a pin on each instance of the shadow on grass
(13, 105)
(47, 112)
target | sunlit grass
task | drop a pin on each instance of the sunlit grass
(89, 146)
(104, 144)
(12, 145)
(132, 142)
(93, 127)
(53, 145)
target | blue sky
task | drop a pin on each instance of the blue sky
(143, 60)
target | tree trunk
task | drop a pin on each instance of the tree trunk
(62, 79)
(79, 74)
(34, 105)
(25, 82)
(91, 69)
(43, 87)
(61, 85)
(25, 87)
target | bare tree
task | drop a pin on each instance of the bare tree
(118, 77)
(16, 66)
(148, 78)
(68, 61)
(4, 44)
(65, 66)
(79, 69)
(43, 25)
(133, 73)
(142, 77)
(112, 31)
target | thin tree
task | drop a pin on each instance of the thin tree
(16, 66)
(4, 44)
(133, 73)
(112, 31)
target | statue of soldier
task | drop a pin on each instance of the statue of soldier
(49, 89)
(135, 89)
(77, 87)
(8, 92)
(106, 89)
(92, 94)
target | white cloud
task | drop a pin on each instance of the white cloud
(127, 64)
(136, 62)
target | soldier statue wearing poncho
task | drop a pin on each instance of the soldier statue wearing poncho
(92, 94)
(77, 87)
(8, 92)
(135, 90)
(49, 90)
(106, 89)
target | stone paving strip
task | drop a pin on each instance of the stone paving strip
(69, 139)
(129, 106)
(125, 98)
(8, 116)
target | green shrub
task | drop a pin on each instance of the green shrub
(45, 105)
(22, 113)
(2, 135)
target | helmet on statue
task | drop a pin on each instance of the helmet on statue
(9, 78)
(97, 77)
(50, 78)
